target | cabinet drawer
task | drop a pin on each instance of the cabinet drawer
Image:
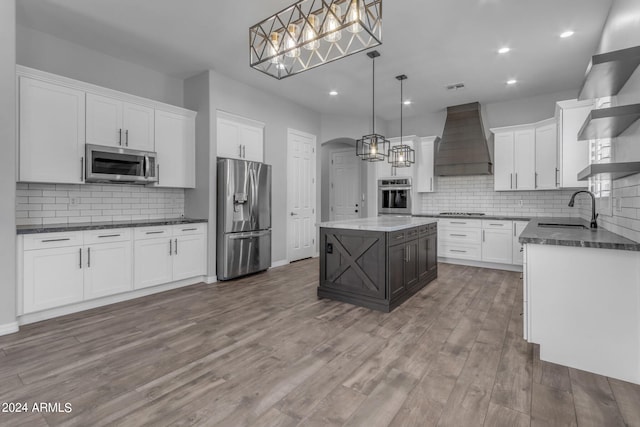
(460, 235)
(52, 240)
(411, 233)
(153, 232)
(189, 229)
(92, 237)
(497, 225)
(460, 251)
(396, 237)
(459, 223)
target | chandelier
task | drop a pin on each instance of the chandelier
(310, 33)
(373, 147)
(401, 155)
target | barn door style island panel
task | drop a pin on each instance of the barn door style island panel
(377, 262)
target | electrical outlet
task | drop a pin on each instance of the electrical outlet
(73, 201)
(617, 204)
(521, 203)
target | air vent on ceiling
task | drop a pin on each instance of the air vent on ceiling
(455, 86)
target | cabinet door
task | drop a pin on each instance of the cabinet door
(423, 255)
(175, 145)
(228, 139)
(104, 121)
(496, 246)
(412, 265)
(524, 159)
(397, 257)
(432, 252)
(546, 157)
(52, 278)
(424, 168)
(518, 226)
(51, 129)
(574, 153)
(153, 262)
(252, 141)
(503, 159)
(137, 122)
(189, 256)
(108, 269)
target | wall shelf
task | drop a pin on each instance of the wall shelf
(608, 122)
(608, 72)
(609, 170)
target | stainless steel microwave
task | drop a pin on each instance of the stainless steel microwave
(394, 196)
(115, 164)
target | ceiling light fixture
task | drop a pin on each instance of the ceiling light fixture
(373, 147)
(333, 93)
(512, 82)
(567, 34)
(401, 155)
(503, 50)
(309, 33)
(407, 102)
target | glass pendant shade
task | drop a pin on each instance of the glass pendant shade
(355, 13)
(310, 34)
(292, 41)
(332, 24)
(274, 48)
(372, 148)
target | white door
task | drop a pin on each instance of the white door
(301, 194)
(176, 147)
(189, 256)
(344, 190)
(137, 122)
(104, 121)
(503, 159)
(108, 269)
(524, 159)
(153, 262)
(52, 127)
(546, 157)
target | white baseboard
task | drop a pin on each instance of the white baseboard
(280, 263)
(111, 299)
(211, 279)
(9, 328)
(507, 267)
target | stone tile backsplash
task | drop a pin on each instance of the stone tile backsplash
(71, 203)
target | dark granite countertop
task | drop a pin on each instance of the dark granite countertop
(577, 237)
(495, 217)
(52, 228)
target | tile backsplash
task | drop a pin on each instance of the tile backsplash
(476, 194)
(71, 203)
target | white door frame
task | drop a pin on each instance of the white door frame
(314, 181)
(331, 179)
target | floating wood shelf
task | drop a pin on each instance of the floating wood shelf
(609, 122)
(608, 72)
(609, 170)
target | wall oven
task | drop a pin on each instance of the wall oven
(394, 196)
(115, 164)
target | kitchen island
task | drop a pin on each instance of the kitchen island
(377, 262)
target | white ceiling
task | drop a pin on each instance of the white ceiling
(434, 43)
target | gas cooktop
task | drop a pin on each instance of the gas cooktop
(461, 213)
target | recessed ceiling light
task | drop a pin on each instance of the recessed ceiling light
(333, 93)
(512, 82)
(566, 34)
(407, 102)
(504, 50)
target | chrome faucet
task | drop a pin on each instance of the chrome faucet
(594, 215)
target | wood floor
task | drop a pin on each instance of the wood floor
(264, 351)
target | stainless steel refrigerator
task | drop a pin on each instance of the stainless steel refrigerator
(244, 218)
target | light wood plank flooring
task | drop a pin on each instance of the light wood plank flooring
(264, 351)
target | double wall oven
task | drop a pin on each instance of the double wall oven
(394, 196)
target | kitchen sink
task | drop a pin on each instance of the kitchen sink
(561, 225)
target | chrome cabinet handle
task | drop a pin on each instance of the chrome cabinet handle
(455, 250)
(109, 235)
(55, 240)
(158, 167)
(88, 257)
(511, 180)
(535, 182)
(514, 229)
(126, 137)
(483, 236)
(499, 225)
(170, 247)
(80, 258)
(557, 183)
(457, 222)
(189, 229)
(154, 232)
(82, 168)
(293, 214)
(120, 137)
(431, 184)
(240, 148)
(244, 151)
(175, 250)
(516, 180)
(458, 235)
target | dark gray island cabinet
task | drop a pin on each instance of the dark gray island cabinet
(377, 262)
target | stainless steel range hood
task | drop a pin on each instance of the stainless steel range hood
(463, 149)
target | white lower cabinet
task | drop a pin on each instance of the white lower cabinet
(189, 260)
(497, 241)
(109, 269)
(153, 262)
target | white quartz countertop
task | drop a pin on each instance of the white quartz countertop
(380, 223)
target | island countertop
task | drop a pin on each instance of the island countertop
(385, 223)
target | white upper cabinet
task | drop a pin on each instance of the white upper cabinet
(523, 159)
(573, 155)
(546, 160)
(503, 160)
(52, 131)
(239, 138)
(176, 148)
(424, 162)
(118, 123)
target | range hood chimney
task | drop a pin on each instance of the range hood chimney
(463, 149)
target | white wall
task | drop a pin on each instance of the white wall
(7, 166)
(42, 51)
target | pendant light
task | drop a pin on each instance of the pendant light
(401, 155)
(373, 147)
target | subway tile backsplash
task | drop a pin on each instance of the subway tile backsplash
(71, 203)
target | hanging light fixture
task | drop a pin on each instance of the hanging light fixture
(373, 147)
(310, 33)
(401, 155)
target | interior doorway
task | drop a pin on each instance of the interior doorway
(345, 187)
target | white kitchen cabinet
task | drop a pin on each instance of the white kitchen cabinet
(573, 155)
(514, 165)
(109, 263)
(546, 156)
(460, 239)
(51, 132)
(518, 227)
(189, 259)
(153, 262)
(239, 138)
(425, 155)
(175, 144)
(119, 123)
(497, 241)
(503, 160)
